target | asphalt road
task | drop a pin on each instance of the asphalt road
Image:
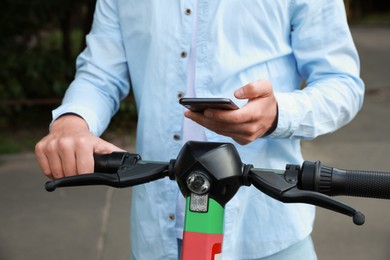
(92, 223)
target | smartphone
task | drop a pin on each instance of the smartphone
(200, 104)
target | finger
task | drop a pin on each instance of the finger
(85, 162)
(68, 160)
(228, 128)
(55, 164)
(66, 150)
(42, 159)
(242, 138)
(241, 141)
(250, 112)
(242, 134)
(218, 116)
(106, 147)
(210, 122)
(261, 88)
(247, 131)
(245, 135)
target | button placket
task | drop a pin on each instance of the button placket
(202, 46)
(183, 54)
(187, 12)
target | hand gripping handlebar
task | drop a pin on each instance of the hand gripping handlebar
(216, 170)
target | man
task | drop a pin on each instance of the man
(255, 52)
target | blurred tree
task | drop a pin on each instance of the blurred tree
(358, 9)
(40, 39)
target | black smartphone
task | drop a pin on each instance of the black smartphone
(200, 104)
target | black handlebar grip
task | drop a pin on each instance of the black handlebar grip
(333, 181)
(110, 163)
(361, 183)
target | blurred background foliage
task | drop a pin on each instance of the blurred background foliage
(39, 44)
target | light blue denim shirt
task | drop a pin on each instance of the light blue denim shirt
(238, 42)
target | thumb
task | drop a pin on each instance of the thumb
(260, 88)
(103, 146)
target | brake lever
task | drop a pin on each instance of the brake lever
(107, 179)
(284, 188)
(142, 172)
(130, 171)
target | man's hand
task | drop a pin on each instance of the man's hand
(68, 149)
(246, 124)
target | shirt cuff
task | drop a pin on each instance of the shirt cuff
(287, 116)
(88, 115)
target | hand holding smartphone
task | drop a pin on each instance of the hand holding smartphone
(200, 104)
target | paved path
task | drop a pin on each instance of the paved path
(92, 223)
(373, 43)
(363, 145)
(89, 223)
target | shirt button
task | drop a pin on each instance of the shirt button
(183, 54)
(180, 95)
(188, 11)
(171, 217)
(176, 137)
